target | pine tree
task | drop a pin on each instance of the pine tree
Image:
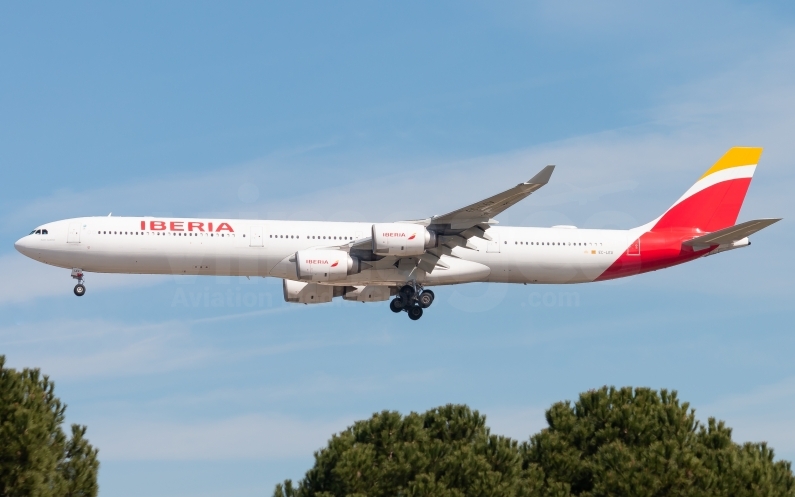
(446, 452)
(36, 458)
(640, 442)
(616, 442)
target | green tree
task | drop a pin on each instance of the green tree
(446, 452)
(618, 442)
(640, 442)
(36, 457)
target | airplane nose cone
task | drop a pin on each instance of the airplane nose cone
(22, 245)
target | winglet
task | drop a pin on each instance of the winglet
(542, 178)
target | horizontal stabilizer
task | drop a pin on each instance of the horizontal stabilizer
(732, 233)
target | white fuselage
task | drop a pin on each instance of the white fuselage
(266, 248)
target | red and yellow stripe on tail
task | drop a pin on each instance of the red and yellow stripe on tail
(711, 204)
(714, 201)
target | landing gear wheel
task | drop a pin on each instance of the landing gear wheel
(80, 290)
(415, 312)
(426, 299)
(407, 293)
(397, 305)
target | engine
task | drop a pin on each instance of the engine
(325, 265)
(298, 292)
(401, 239)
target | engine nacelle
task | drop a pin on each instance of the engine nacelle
(298, 292)
(402, 239)
(325, 265)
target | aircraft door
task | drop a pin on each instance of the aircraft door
(256, 237)
(493, 245)
(74, 233)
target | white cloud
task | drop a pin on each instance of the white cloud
(519, 423)
(260, 436)
(764, 414)
(252, 436)
(79, 349)
(752, 103)
(30, 280)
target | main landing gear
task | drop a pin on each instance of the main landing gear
(80, 288)
(410, 301)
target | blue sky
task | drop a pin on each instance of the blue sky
(362, 111)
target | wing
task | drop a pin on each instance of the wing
(484, 211)
(732, 233)
(455, 228)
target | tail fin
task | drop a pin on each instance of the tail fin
(714, 202)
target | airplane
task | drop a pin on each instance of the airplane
(399, 261)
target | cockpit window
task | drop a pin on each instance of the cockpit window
(32, 232)
(38, 232)
(44, 232)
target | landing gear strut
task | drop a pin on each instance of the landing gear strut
(80, 288)
(412, 299)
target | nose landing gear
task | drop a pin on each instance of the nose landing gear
(80, 288)
(410, 301)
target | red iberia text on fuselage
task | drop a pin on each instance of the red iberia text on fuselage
(198, 226)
